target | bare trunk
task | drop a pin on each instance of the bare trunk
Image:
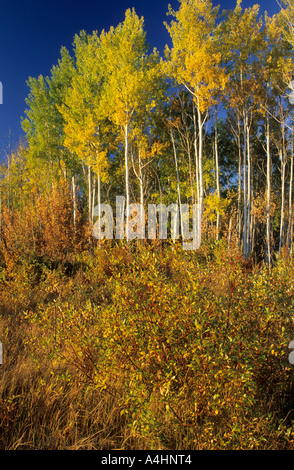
(268, 195)
(99, 193)
(282, 152)
(178, 180)
(237, 134)
(239, 215)
(93, 198)
(290, 223)
(283, 172)
(190, 175)
(99, 199)
(217, 174)
(230, 233)
(127, 179)
(141, 190)
(249, 193)
(196, 158)
(245, 208)
(74, 198)
(200, 154)
(89, 194)
(140, 178)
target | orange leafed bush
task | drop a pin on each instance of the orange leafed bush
(44, 227)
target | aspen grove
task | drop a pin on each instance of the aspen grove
(209, 123)
(132, 342)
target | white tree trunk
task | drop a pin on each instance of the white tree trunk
(268, 194)
(290, 223)
(249, 193)
(142, 218)
(74, 198)
(200, 156)
(283, 173)
(245, 208)
(217, 174)
(93, 197)
(89, 194)
(178, 180)
(126, 129)
(196, 158)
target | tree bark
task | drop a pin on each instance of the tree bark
(283, 173)
(89, 194)
(249, 193)
(126, 130)
(268, 194)
(290, 223)
(245, 208)
(217, 173)
(178, 180)
(74, 197)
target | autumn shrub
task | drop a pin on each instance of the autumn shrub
(19, 235)
(192, 355)
(56, 219)
(45, 405)
(42, 229)
(147, 347)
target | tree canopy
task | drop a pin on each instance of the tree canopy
(209, 123)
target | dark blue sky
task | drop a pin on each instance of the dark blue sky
(32, 33)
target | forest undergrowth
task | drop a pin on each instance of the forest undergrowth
(146, 346)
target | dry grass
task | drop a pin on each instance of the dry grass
(70, 378)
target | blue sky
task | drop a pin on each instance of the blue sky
(32, 33)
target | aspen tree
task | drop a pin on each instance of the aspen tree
(274, 67)
(194, 63)
(242, 42)
(43, 122)
(82, 113)
(124, 56)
